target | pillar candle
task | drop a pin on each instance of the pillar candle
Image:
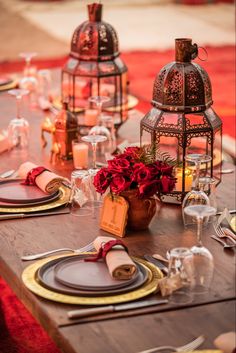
(188, 179)
(80, 155)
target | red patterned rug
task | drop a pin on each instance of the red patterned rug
(19, 332)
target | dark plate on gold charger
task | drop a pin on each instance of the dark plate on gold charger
(13, 192)
(88, 275)
(46, 277)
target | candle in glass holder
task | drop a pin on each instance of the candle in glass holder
(90, 117)
(80, 155)
(188, 179)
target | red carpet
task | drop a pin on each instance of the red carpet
(19, 333)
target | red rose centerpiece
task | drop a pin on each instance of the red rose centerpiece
(137, 176)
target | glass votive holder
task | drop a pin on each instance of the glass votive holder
(181, 272)
(81, 196)
(80, 152)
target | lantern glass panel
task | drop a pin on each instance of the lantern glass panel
(170, 145)
(217, 153)
(195, 119)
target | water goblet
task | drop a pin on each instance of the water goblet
(181, 269)
(29, 80)
(94, 140)
(100, 128)
(196, 196)
(80, 193)
(18, 128)
(202, 258)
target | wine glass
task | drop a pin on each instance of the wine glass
(202, 258)
(44, 79)
(29, 80)
(18, 128)
(100, 128)
(208, 185)
(196, 196)
(181, 272)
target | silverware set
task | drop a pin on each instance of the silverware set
(224, 236)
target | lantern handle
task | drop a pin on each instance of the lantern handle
(206, 53)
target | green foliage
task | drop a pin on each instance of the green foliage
(151, 153)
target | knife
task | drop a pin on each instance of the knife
(157, 263)
(74, 314)
(28, 215)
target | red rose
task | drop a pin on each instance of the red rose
(119, 184)
(166, 169)
(133, 152)
(119, 165)
(142, 173)
(102, 180)
(149, 189)
(167, 183)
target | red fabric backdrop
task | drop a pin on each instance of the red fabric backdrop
(19, 332)
(144, 65)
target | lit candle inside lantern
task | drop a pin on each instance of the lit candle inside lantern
(80, 155)
(106, 89)
(188, 179)
(90, 117)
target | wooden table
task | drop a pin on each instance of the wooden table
(210, 314)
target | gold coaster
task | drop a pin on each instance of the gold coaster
(30, 281)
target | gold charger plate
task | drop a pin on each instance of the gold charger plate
(233, 223)
(132, 102)
(30, 281)
(9, 86)
(62, 200)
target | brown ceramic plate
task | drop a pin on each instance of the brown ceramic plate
(13, 192)
(45, 276)
(76, 273)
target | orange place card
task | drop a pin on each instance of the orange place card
(114, 215)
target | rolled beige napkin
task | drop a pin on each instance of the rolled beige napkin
(48, 182)
(119, 263)
(226, 342)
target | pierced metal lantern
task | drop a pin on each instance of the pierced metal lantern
(94, 68)
(182, 120)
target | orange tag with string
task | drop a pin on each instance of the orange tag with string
(114, 215)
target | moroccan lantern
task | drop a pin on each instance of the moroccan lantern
(182, 120)
(94, 68)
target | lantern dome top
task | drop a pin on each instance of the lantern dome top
(94, 40)
(182, 85)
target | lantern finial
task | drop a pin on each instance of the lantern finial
(95, 12)
(185, 51)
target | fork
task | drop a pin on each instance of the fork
(226, 246)
(187, 347)
(86, 248)
(222, 234)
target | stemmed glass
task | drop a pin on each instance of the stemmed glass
(94, 140)
(18, 128)
(29, 80)
(203, 259)
(195, 196)
(100, 128)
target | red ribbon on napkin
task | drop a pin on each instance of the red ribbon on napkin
(32, 175)
(105, 248)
